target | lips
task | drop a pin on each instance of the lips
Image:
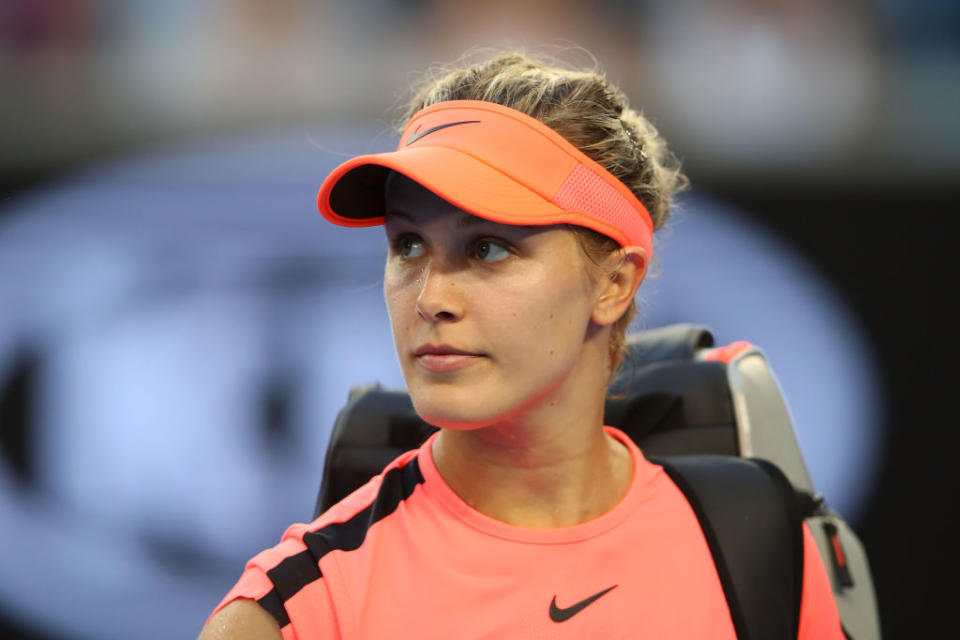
(441, 350)
(443, 358)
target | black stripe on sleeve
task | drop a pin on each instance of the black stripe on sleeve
(297, 571)
(274, 606)
(293, 573)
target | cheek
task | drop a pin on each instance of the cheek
(400, 284)
(400, 299)
(548, 314)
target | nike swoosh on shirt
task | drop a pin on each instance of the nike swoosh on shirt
(416, 137)
(561, 615)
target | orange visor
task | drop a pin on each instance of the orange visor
(493, 162)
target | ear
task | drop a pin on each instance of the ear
(626, 268)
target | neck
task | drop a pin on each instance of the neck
(551, 466)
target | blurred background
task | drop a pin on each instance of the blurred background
(178, 326)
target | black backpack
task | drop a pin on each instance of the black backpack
(715, 419)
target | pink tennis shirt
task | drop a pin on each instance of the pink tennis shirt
(405, 557)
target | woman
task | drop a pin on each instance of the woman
(519, 207)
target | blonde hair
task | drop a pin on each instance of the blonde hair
(590, 112)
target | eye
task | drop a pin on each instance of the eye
(409, 246)
(490, 250)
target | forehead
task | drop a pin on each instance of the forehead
(408, 200)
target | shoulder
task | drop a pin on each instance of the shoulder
(397, 481)
(288, 584)
(242, 619)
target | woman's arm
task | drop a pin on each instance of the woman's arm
(242, 619)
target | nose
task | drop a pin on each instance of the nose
(439, 299)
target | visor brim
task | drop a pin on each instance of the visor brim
(353, 194)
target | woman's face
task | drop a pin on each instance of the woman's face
(490, 320)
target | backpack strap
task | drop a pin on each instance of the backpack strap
(750, 518)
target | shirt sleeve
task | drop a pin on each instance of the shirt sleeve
(308, 614)
(819, 619)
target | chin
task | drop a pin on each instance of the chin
(458, 411)
(455, 420)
